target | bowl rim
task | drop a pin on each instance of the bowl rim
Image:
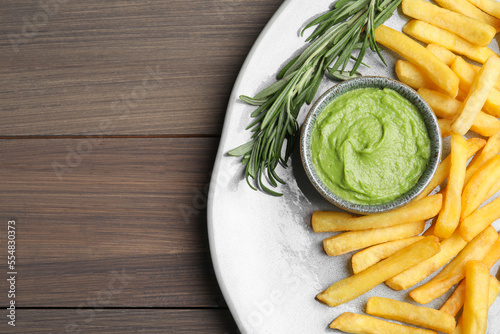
(426, 114)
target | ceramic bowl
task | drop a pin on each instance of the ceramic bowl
(366, 82)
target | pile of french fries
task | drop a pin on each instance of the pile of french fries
(461, 244)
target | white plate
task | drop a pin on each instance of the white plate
(269, 263)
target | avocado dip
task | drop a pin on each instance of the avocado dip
(370, 146)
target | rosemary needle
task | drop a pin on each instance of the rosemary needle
(348, 26)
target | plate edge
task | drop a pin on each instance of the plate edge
(220, 156)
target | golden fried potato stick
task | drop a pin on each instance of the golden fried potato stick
(461, 95)
(413, 76)
(350, 241)
(478, 188)
(442, 104)
(493, 255)
(476, 69)
(416, 54)
(447, 107)
(479, 92)
(411, 314)
(449, 216)
(494, 290)
(453, 305)
(479, 220)
(449, 249)
(492, 295)
(368, 257)
(490, 150)
(444, 127)
(468, 9)
(467, 74)
(358, 284)
(443, 170)
(485, 124)
(428, 33)
(493, 190)
(472, 30)
(423, 209)
(359, 323)
(475, 315)
(430, 230)
(491, 7)
(326, 221)
(445, 55)
(456, 301)
(455, 270)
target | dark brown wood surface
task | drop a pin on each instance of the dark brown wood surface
(110, 115)
(128, 321)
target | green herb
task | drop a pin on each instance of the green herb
(348, 26)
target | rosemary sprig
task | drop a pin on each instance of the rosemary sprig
(348, 26)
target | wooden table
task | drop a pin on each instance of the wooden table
(110, 116)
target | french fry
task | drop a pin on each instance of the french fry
(494, 291)
(445, 55)
(478, 188)
(443, 170)
(449, 217)
(413, 76)
(475, 315)
(483, 84)
(467, 74)
(464, 71)
(461, 95)
(447, 107)
(322, 221)
(456, 301)
(491, 149)
(358, 284)
(430, 230)
(444, 127)
(485, 124)
(455, 270)
(453, 305)
(416, 54)
(368, 257)
(411, 314)
(350, 241)
(442, 104)
(488, 6)
(479, 220)
(476, 69)
(428, 33)
(423, 209)
(493, 190)
(468, 9)
(359, 323)
(493, 255)
(492, 295)
(449, 248)
(472, 30)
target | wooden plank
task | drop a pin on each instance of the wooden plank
(124, 226)
(140, 321)
(145, 67)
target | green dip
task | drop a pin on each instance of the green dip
(370, 145)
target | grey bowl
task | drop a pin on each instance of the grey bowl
(366, 82)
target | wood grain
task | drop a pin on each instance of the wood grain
(67, 69)
(122, 321)
(110, 116)
(130, 207)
